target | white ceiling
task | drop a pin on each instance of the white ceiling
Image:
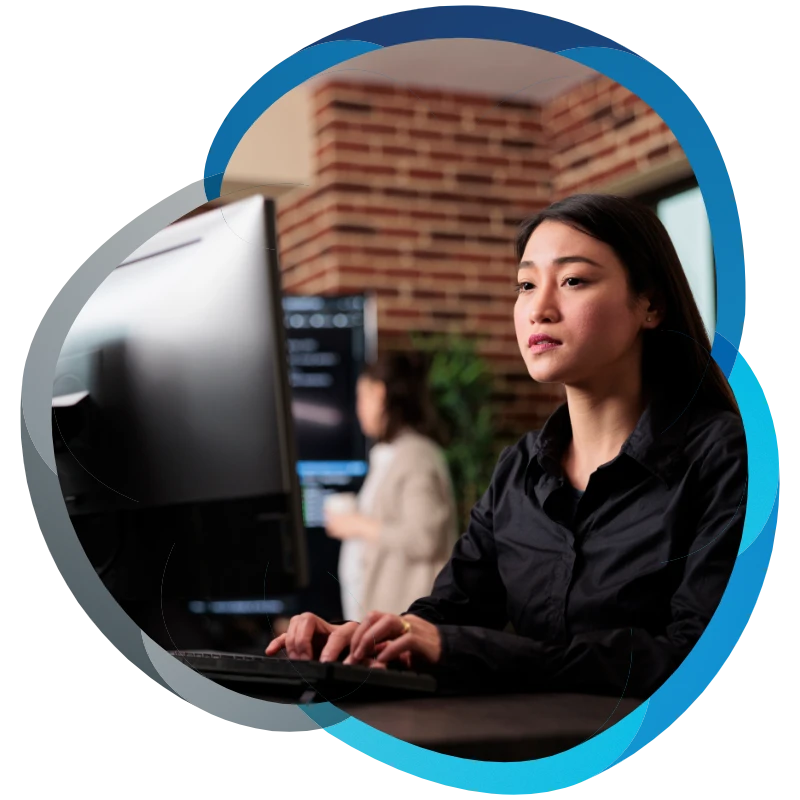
(479, 66)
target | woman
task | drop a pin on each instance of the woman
(607, 538)
(394, 546)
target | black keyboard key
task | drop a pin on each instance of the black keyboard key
(281, 676)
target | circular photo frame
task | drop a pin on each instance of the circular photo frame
(695, 673)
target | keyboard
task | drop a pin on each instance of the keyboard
(281, 679)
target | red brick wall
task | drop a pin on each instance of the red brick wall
(418, 195)
(603, 134)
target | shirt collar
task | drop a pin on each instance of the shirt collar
(654, 442)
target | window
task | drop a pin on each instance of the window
(682, 210)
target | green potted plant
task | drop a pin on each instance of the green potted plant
(461, 384)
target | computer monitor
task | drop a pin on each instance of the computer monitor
(174, 439)
(329, 339)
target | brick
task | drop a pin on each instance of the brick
(384, 89)
(376, 128)
(484, 317)
(479, 298)
(639, 137)
(522, 182)
(497, 161)
(341, 105)
(473, 219)
(328, 124)
(430, 255)
(492, 240)
(658, 152)
(624, 121)
(346, 208)
(396, 150)
(464, 198)
(534, 164)
(580, 162)
(530, 125)
(362, 229)
(448, 315)
(471, 257)
(520, 144)
(335, 146)
(441, 155)
(289, 247)
(572, 144)
(560, 113)
(467, 177)
(379, 251)
(443, 116)
(420, 133)
(442, 238)
(508, 280)
(399, 232)
(306, 283)
(491, 122)
(424, 93)
(402, 312)
(301, 223)
(470, 138)
(367, 169)
(343, 84)
(397, 111)
(446, 276)
(399, 191)
(349, 188)
(428, 214)
(519, 105)
(470, 99)
(450, 236)
(426, 173)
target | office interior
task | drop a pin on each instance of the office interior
(373, 204)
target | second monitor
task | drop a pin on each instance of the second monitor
(329, 340)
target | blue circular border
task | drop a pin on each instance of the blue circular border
(679, 113)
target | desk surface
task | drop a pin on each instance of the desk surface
(498, 727)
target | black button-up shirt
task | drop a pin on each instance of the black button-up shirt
(606, 593)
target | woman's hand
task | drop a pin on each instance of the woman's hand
(309, 635)
(351, 525)
(388, 637)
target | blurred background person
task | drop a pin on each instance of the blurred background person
(399, 531)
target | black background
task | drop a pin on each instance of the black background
(113, 110)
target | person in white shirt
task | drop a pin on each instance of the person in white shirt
(405, 525)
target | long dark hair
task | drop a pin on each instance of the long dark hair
(408, 402)
(676, 357)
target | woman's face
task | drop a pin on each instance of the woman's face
(575, 318)
(370, 406)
